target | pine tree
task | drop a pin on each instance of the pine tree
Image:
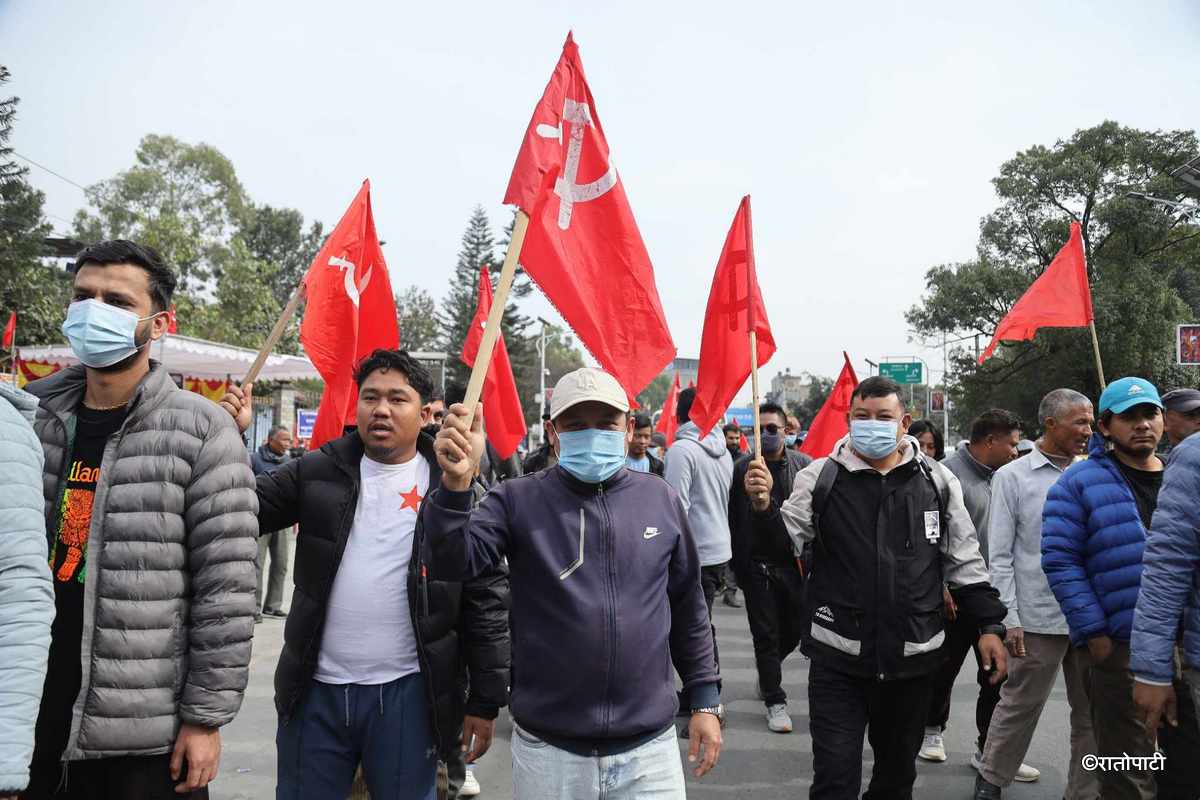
(9, 169)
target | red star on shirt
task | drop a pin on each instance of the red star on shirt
(411, 499)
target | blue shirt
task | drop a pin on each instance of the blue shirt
(638, 464)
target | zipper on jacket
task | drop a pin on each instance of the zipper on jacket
(425, 587)
(611, 591)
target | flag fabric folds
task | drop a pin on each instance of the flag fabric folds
(350, 312)
(832, 421)
(668, 420)
(502, 413)
(1060, 298)
(10, 331)
(583, 247)
(735, 308)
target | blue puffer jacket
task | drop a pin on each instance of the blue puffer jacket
(1092, 543)
(1169, 584)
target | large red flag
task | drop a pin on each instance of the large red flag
(583, 246)
(1059, 298)
(735, 307)
(832, 421)
(350, 312)
(502, 412)
(668, 421)
(10, 330)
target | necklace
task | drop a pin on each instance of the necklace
(105, 408)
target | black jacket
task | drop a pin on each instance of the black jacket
(538, 460)
(460, 627)
(754, 541)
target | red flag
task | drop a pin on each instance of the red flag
(668, 420)
(583, 246)
(172, 320)
(350, 312)
(1059, 298)
(502, 412)
(832, 421)
(10, 330)
(743, 443)
(735, 307)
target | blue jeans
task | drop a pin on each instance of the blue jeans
(385, 726)
(653, 771)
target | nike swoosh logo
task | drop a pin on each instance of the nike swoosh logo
(650, 533)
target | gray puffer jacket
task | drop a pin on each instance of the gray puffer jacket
(26, 591)
(168, 609)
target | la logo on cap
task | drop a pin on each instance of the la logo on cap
(586, 382)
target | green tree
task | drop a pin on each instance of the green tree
(416, 315)
(276, 236)
(818, 393)
(244, 308)
(182, 199)
(651, 398)
(9, 169)
(1144, 267)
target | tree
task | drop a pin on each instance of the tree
(184, 200)
(1144, 266)
(38, 292)
(245, 308)
(818, 392)
(276, 236)
(651, 398)
(416, 314)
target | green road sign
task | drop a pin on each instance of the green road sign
(904, 372)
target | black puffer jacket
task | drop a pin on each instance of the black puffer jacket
(461, 627)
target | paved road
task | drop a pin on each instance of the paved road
(754, 763)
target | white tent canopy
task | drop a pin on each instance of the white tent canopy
(197, 358)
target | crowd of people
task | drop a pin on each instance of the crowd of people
(436, 582)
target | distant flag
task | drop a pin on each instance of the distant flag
(10, 330)
(832, 421)
(668, 421)
(172, 320)
(743, 443)
(502, 413)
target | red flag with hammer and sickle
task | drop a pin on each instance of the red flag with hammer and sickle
(583, 247)
(350, 312)
(735, 307)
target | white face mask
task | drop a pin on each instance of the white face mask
(101, 335)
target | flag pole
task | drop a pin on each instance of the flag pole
(276, 333)
(752, 324)
(1096, 351)
(491, 331)
(1087, 288)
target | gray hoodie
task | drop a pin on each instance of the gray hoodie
(701, 471)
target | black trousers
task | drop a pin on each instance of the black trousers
(711, 579)
(775, 609)
(962, 637)
(122, 778)
(1181, 745)
(892, 713)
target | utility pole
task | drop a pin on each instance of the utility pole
(542, 382)
(945, 393)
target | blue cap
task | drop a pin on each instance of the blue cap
(1122, 395)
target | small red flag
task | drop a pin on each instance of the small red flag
(1059, 298)
(583, 247)
(743, 443)
(668, 421)
(735, 307)
(833, 420)
(172, 320)
(10, 330)
(502, 413)
(350, 312)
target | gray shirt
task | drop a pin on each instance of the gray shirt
(1014, 535)
(976, 480)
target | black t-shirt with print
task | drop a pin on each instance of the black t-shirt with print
(68, 565)
(1145, 486)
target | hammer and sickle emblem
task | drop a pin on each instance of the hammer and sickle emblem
(578, 115)
(353, 291)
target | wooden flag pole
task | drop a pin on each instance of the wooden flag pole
(752, 323)
(276, 333)
(1096, 350)
(491, 331)
(754, 393)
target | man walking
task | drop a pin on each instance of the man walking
(605, 598)
(1037, 631)
(149, 503)
(889, 527)
(700, 469)
(1181, 414)
(372, 667)
(993, 443)
(1093, 534)
(267, 458)
(640, 459)
(26, 589)
(767, 568)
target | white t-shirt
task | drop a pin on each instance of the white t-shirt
(368, 636)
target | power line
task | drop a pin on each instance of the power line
(58, 175)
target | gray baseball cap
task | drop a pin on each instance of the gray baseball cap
(1185, 401)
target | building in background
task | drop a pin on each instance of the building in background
(688, 369)
(789, 390)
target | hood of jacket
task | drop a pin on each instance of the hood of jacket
(713, 443)
(25, 403)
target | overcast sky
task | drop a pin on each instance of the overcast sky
(867, 133)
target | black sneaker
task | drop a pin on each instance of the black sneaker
(985, 790)
(275, 612)
(731, 599)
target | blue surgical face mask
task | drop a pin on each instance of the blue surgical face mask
(592, 456)
(790, 440)
(100, 334)
(874, 438)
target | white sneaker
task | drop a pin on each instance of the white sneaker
(778, 720)
(933, 747)
(1025, 773)
(470, 787)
